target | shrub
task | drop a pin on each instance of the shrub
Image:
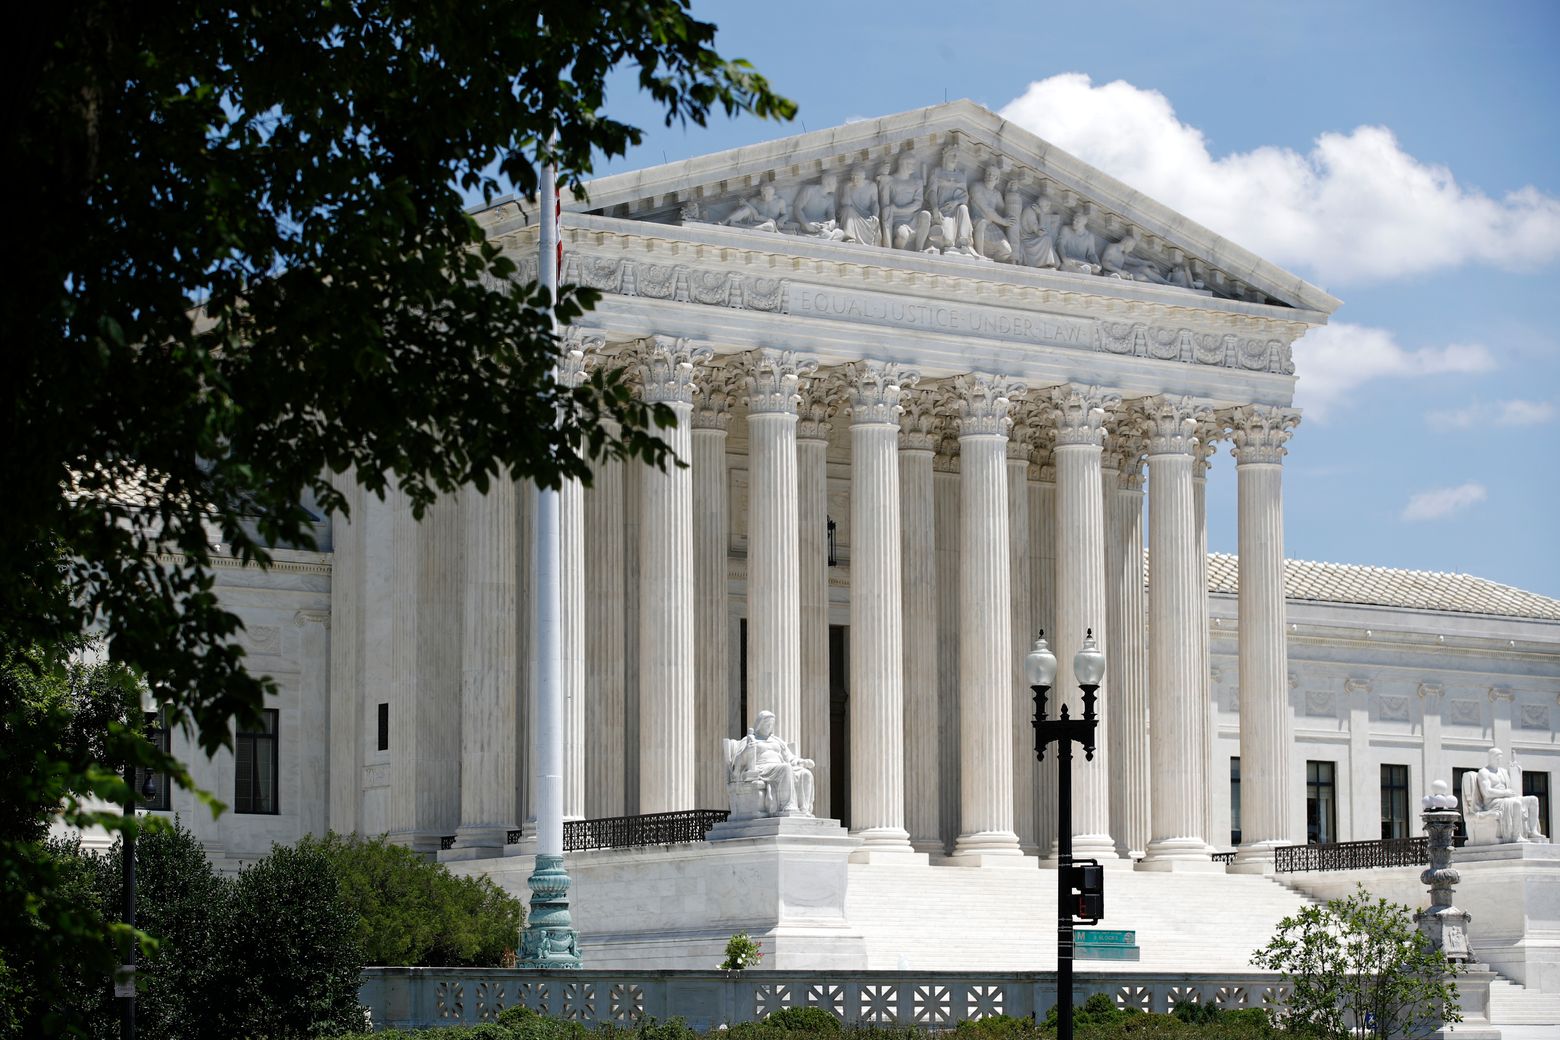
(741, 952)
(804, 1020)
(410, 911)
(997, 1027)
(1358, 961)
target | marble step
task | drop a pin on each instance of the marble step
(1515, 1005)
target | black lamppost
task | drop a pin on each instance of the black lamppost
(124, 986)
(1040, 669)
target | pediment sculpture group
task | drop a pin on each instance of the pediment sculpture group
(949, 210)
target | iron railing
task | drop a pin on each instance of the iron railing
(1224, 857)
(627, 832)
(1352, 855)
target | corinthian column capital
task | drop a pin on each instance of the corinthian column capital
(1079, 414)
(919, 425)
(982, 402)
(1172, 423)
(1260, 431)
(579, 349)
(874, 389)
(1126, 447)
(717, 388)
(817, 392)
(1209, 433)
(666, 368)
(774, 379)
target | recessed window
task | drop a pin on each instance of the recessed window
(1457, 791)
(1394, 802)
(1537, 785)
(1235, 800)
(254, 779)
(384, 726)
(1321, 802)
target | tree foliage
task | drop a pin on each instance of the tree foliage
(413, 912)
(1359, 967)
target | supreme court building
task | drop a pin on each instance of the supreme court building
(939, 385)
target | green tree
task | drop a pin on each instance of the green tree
(1359, 967)
(249, 268)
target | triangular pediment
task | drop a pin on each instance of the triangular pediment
(1055, 205)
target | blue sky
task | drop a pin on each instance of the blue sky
(1406, 157)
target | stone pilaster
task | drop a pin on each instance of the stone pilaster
(1022, 621)
(717, 387)
(812, 495)
(571, 599)
(877, 806)
(918, 556)
(945, 521)
(1266, 779)
(605, 658)
(347, 708)
(1042, 563)
(986, 834)
(1176, 837)
(1127, 655)
(666, 648)
(1080, 414)
(774, 653)
(489, 666)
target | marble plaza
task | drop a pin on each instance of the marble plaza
(939, 386)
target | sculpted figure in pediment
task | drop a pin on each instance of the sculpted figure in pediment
(902, 206)
(1118, 260)
(990, 212)
(857, 213)
(816, 211)
(949, 188)
(1037, 244)
(1077, 247)
(764, 212)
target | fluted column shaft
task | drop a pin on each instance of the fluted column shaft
(666, 650)
(918, 556)
(1128, 658)
(571, 627)
(489, 666)
(1022, 620)
(711, 538)
(605, 664)
(1215, 783)
(774, 653)
(1080, 600)
(1042, 562)
(877, 797)
(985, 624)
(945, 519)
(1265, 737)
(1175, 603)
(812, 492)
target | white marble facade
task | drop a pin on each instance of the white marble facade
(978, 358)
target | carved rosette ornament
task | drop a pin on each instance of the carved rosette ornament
(1259, 433)
(716, 390)
(1172, 424)
(874, 391)
(919, 425)
(774, 379)
(666, 369)
(982, 402)
(1079, 414)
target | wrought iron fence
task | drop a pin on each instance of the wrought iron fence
(1224, 857)
(623, 832)
(1352, 855)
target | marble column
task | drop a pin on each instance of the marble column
(1176, 838)
(1042, 563)
(347, 710)
(812, 496)
(605, 664)
(774, 652)
(666, 647)
(489, 666)
(986, 834)
(945, 522)
(1215, 781)
(1023, 628)
(877, 796)
(571, 596)
(1080, 597)
(919, 591)
(711, 550)
(1266, 779)
(1127, 654)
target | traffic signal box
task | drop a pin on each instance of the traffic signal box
(1088, 885)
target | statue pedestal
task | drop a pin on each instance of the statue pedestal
(1513, 894)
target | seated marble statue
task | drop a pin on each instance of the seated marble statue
(815, 210)
(764, 777)
(1118, 260)
(765, 212)
(1494, 810)
(1037, 246)
(858, 210)
(902, 206)
(989, 209)
(949, 189)
(1077, 247)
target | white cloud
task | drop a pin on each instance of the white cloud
(1440, 502)
(1502, 413)
(1333, 360)
(1356, 207)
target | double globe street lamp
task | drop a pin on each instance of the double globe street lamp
(1080, 887)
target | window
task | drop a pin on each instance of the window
(160, 794)
(1321, 803)
(1394, 802)
(254, 787)
(1457, 782)
(1235, 801)
(384, 726)
(1537, 785)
